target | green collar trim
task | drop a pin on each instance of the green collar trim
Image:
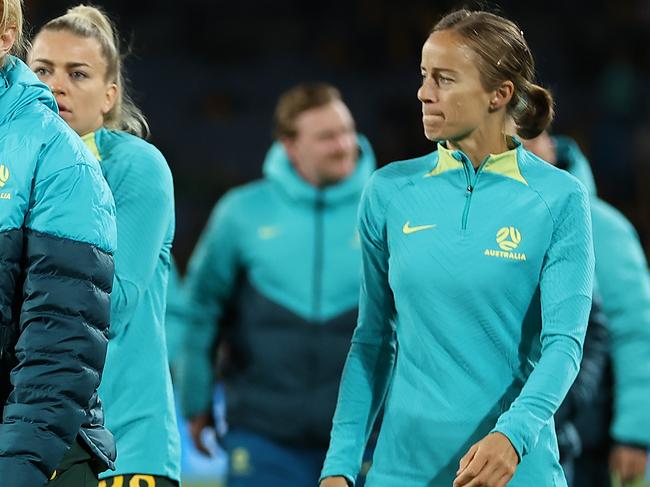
(91, 143)
(506, 164)
(447, 161)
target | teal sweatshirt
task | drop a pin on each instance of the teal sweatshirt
(176, 315)
(136, 387)
(278, 265)
(624, 284)
(474, 302)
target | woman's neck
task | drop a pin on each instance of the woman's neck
(480, 144)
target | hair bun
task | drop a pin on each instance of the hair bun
(537, 114)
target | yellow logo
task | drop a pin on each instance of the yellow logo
(268, 232)
(4, 175)
(508, 239)
(240, 461)
(407, 229)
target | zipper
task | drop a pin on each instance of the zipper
(471, 186)
(318, 257)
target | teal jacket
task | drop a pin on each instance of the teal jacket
(458, 266)
(175, 316)
(136, 387)
(57, 238)
(624, 285)
(276, 276)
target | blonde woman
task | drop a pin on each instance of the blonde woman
(77, 55)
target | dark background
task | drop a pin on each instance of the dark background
(208, 73)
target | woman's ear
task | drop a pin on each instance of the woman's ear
(7, 40)
(111, 98)
(502, 95)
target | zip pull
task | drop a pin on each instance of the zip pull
(470, 189)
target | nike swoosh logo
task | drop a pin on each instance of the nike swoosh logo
(408, 229)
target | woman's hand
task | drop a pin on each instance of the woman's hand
(334, 482)
(489, 463)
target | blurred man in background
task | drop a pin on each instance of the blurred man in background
(614, 431)
(275, 276)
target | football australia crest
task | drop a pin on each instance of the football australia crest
(508, 240)
(4, 179)
(4, 175)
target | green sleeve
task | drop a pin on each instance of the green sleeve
(144, 206)
(210, 280)
(625, 286)
(369, 365)
(566, 284)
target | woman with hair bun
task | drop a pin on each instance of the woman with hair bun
(77, 55)
(477, 282)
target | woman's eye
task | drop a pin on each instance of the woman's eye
(444, 80)
(40, 71)
(77, 75)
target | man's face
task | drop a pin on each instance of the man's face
(324, 150)
(542, 146)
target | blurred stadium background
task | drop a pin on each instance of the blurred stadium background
(208, 72)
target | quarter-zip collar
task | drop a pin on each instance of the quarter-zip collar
(505, 163)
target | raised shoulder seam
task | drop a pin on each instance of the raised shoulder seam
(405, 180)
(532, 185)
(398, 188)
(548, 208)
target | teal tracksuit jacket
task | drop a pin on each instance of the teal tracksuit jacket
(57, 239)
(175, 315)
(475, 297)
(136, 387)
(624, 285)
(276, 276)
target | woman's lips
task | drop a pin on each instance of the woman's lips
(432, 118)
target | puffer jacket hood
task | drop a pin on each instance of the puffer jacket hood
(19, 87)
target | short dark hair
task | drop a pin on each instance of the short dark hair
(297, 100)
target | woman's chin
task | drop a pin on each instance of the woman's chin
(434, 135)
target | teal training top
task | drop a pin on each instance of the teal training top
(136, 388)
(175, 316)
(475, 296)
(624, 285)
